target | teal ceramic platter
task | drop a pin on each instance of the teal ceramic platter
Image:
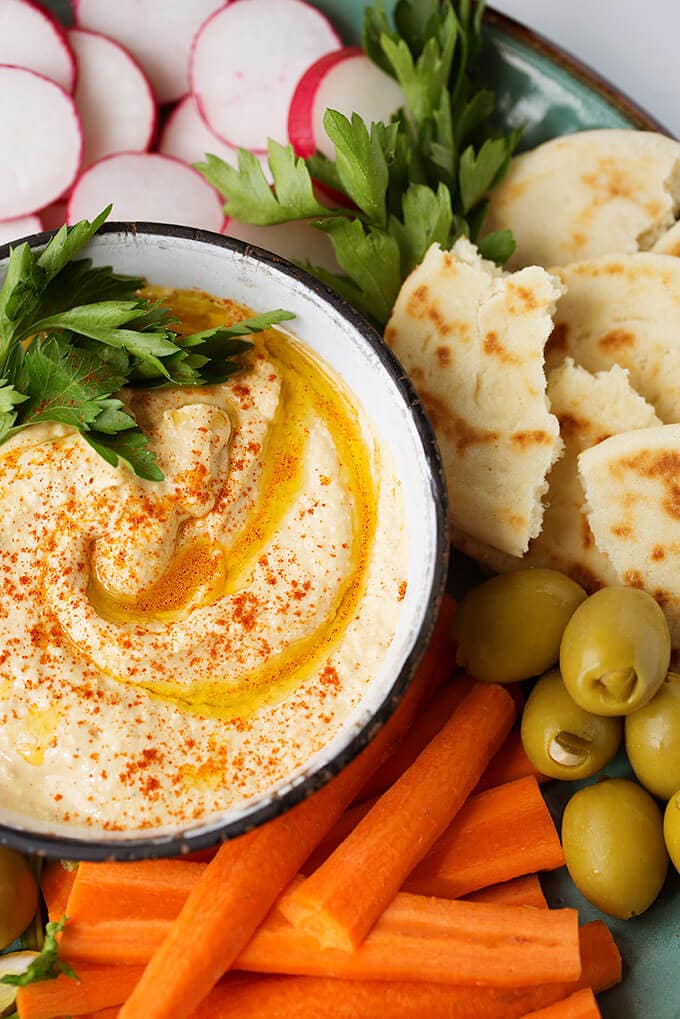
(553, 94)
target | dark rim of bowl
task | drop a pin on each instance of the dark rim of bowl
(138, 848)
(616, 97)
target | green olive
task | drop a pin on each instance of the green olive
(653, 740)
(18, 895)
(615, 651)
(671, 829)
(510, 627)
(560, 738)
(612, 834)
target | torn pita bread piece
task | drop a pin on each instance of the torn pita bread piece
(669, 243)
(472, 339)
(632, 486)
(588, 194)
(589, 408)
(624, 309)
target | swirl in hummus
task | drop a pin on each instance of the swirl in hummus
(171, 649)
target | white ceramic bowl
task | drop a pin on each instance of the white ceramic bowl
(181, 257)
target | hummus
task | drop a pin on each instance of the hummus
(168, 650)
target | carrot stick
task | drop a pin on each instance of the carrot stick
(56, 883)
(439, 662)
(416, 938)
(522, 891)
(581, 1005)
(500, 834)
(307, 997)
(510, 763)
(430, 720)
(238, 888)
(97, 987)
(341, 901)
(115, 891)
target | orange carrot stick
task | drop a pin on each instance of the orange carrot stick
(341, 901)
(238, 888)
(116, 891)
(521, 891)
(500, 834)
(581, 1005)
(307, 997)
(97, 987)
(510, 763)
(416, 938)
(56, 883)
(430, 720)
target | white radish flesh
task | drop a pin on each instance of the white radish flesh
(158, 34)
(298, 241)
(116, 105)
(346, 81)
(41, 142)
(149, 187)
(186, 136)
(14, 229)
(247, 60)
(30, 38)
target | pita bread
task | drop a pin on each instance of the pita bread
(588, 194)
(624, 309)
(472, 339)
(632, 485)
(669, 243)
(589, 408)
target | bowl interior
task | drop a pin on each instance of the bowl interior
(183, 258)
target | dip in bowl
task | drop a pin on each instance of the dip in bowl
(185, 659)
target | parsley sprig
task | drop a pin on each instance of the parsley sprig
(73, 335)
(47, 965)
(423, 178)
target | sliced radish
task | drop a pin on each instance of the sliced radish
(245, 64)
(186, 136)
(158, 34)
(146, 186)
(346, 81)
(116, 105)
(298, 241)
(53, 216)
(31, 38)
(41, 142)
(14, 229)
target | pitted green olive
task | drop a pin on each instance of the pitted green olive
(509, 628)
(560, 738)
(18, 895)
(671, 829)
(615, 651)
(653, 740)
(612, 835)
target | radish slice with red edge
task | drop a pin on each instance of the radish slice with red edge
(31, 38)
(346, 81)
(54, 216)
(146, 186)
(298, 241)
(158, 34)
(15, 229)
(186, 136)
(245, 64)
(116, 105)
(41, 142)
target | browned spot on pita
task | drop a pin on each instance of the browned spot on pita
(666, 467)
(615, 340)
(510, 192)
(622, 530)
(662, 598)
(416, 301)
(526, 300)
(494, 347)
(531, 438)
(675, 250)
(557, 341)
(437, 318)
(455, 428)
(570, 425)
(515, 520)
(658, 553)
(614, 269)
(577, 240)
(390, 335)
(633, 578)
(653, 209)
(443, 356)
(609, 181)
(449, 262)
